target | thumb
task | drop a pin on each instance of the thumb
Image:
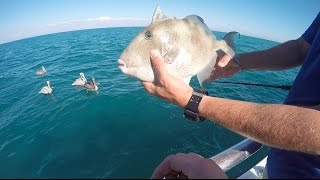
(224, 60)
(158, 64)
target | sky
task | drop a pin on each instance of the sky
(278, 20)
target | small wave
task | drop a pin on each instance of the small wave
(62, 132)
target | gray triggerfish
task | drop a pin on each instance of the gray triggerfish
(187, 45)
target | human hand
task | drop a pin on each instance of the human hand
(225, 67)
(188, 166)
(166, 86)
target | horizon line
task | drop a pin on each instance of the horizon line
(138, 26)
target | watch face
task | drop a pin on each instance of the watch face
(201, 91)
(197, 94)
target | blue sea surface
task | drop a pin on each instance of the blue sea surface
(119, 132)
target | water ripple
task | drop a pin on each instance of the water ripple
(119, 132)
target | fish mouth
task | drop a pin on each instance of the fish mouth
(121, 63)
(123, 66)
(127, 70)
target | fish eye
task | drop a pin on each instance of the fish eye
(148, 35)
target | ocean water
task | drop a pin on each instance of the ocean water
(119, 132)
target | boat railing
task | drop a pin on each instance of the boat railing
(237, 154)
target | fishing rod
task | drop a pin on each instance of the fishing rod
(284, 87)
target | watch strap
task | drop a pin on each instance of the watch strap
(191, 110)
(194, 102)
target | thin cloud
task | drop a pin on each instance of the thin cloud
(77, 24)
(102, 19)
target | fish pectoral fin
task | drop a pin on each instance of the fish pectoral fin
(206, 72)
(168, 50)
(171, 54)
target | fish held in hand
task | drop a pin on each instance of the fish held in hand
(187, 45)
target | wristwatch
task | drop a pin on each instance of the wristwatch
(191, 111)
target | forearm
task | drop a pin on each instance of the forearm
(276, 125)
(286, 55)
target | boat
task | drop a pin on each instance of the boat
(245, 160)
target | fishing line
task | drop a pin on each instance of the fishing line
(284, 87)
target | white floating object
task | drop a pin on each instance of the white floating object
(80, 81)
(46, 89)
(42, 71)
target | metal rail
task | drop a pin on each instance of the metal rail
(236, 154)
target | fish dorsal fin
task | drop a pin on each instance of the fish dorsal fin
(158, 15)
(197, 19)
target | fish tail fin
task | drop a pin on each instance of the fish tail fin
(229, 40)
(226, 45)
